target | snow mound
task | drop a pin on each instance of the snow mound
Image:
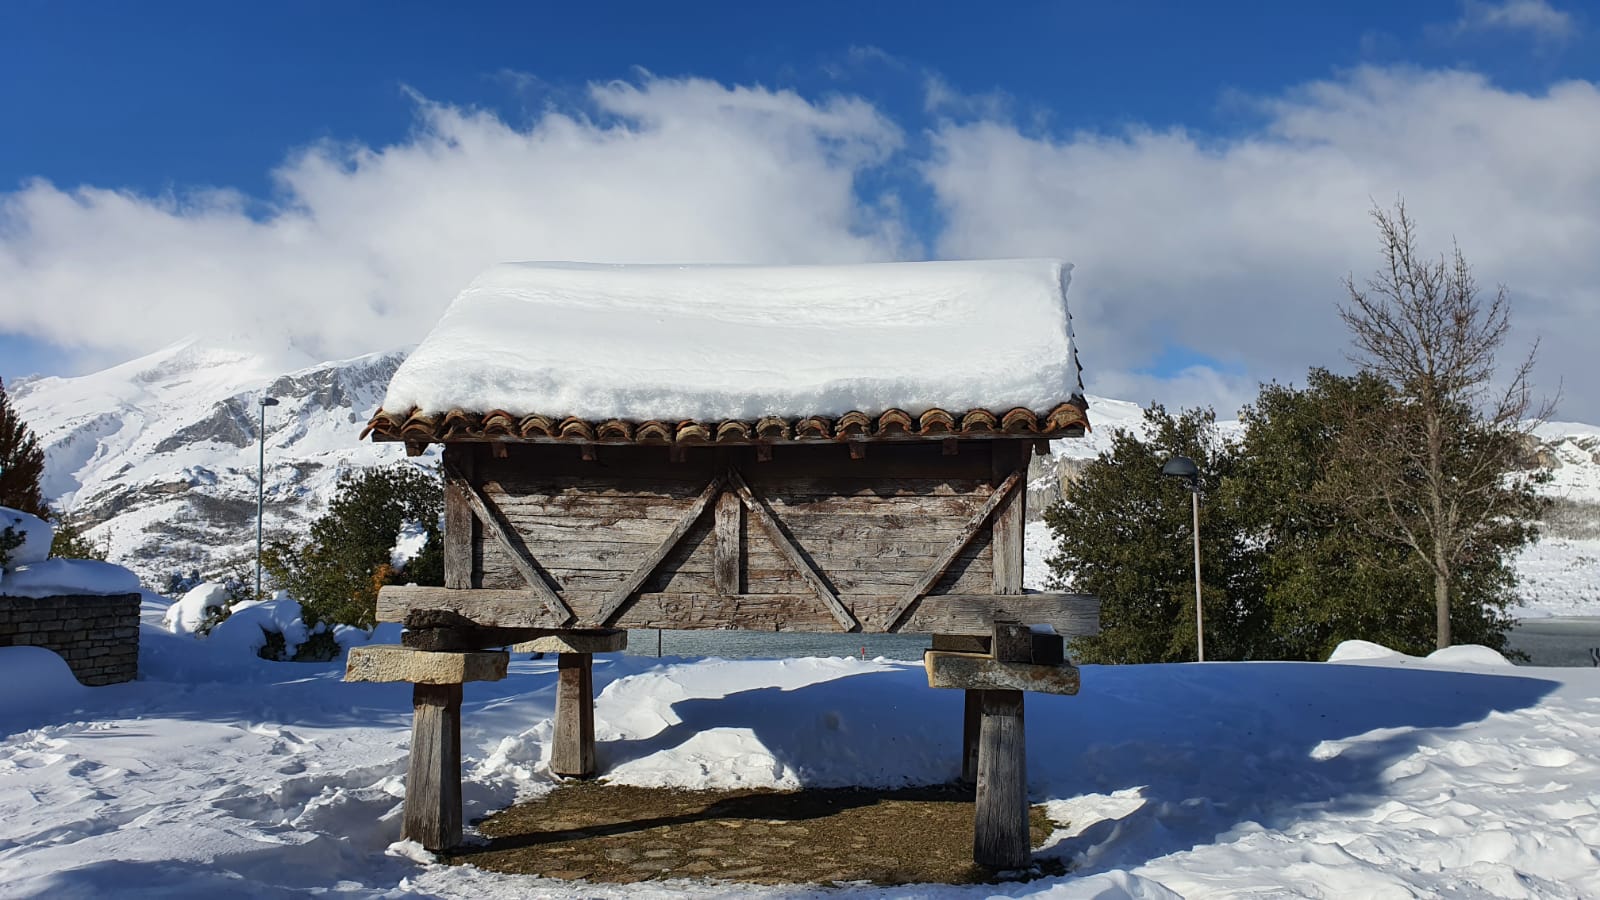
(739, 342)
(247, 628)
(1459, 655)
(1468, 655)
(1355, 651)
(36, 535)
(54, 577)
(193, 608)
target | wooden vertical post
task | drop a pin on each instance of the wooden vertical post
(1006, 530)
(1000, 838)
(433, 781)
(460, 526)
(728, 555)
(572, 755)
(1006, 544)
(972, 710)
(971, 729)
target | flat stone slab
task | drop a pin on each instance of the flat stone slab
(393, 663)
(609, 640)
(981, 672)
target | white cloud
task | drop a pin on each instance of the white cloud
(1534, 17)
(1235, 247)
(367, 244)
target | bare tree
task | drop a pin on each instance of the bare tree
(1439, 471)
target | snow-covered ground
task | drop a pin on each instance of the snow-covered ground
(218, 774)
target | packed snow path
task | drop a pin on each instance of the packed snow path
(1383, 777)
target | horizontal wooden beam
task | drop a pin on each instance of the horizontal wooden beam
(953, 614)
(898, 437)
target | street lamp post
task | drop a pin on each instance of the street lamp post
(1184, 469)
(261, 483)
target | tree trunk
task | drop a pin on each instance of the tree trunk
(1441, 601)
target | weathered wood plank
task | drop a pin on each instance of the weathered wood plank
(574, 494)
(1006, 528)
(518, 608)
(625, 529)
(459, 523)
(651, 463)
(1000, 835)
(954, 549)
(729, 543)
(970, 614)
(432, 815)
(775, 533)
(495, 527)
(642, 571)
(572, 748)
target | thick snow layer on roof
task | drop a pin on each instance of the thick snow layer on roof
(739, 342)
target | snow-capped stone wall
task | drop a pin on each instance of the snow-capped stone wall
(97, 634)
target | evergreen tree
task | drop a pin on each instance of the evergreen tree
(21, 462)
(1125, 534)
(1288, 570)
(336, 572)
(1326, 579)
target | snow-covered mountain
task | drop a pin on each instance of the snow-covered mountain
(159, 456)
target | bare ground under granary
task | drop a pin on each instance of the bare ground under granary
(623, 834)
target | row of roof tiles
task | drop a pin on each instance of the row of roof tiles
(893, 424)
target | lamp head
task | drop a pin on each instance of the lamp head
(269, 401)
(1182, 467)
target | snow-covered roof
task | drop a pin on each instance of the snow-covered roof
(675, 344)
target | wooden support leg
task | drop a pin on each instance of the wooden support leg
(972, 713)
(971, 725)
(433, 783)
(1001, 839)
(573, 753)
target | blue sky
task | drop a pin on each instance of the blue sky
(898, 129)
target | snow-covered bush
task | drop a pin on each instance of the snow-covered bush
(199, 610)
(24, 538)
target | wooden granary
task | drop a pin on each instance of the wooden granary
(820, 449)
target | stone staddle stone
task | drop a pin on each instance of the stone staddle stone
(394, 663)
(576, 642)
(976, 672)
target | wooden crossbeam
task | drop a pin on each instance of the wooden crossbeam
(953, 549)
(946, 614)
(792, 553)
(613, 604)
(496, 527)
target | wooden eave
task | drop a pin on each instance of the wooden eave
(418, 427)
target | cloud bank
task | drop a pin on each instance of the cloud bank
(1222, 252)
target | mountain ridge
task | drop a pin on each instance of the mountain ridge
(157, 457)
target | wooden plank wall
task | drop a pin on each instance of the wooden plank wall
(871, 526)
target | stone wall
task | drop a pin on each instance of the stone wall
(97, 635)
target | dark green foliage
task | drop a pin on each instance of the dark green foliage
(336, 572)
(71, 541)
(10, 539)
(1125, 534)
(1325, 579)
(320, 647)
(21, 462)
(1288, 570)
